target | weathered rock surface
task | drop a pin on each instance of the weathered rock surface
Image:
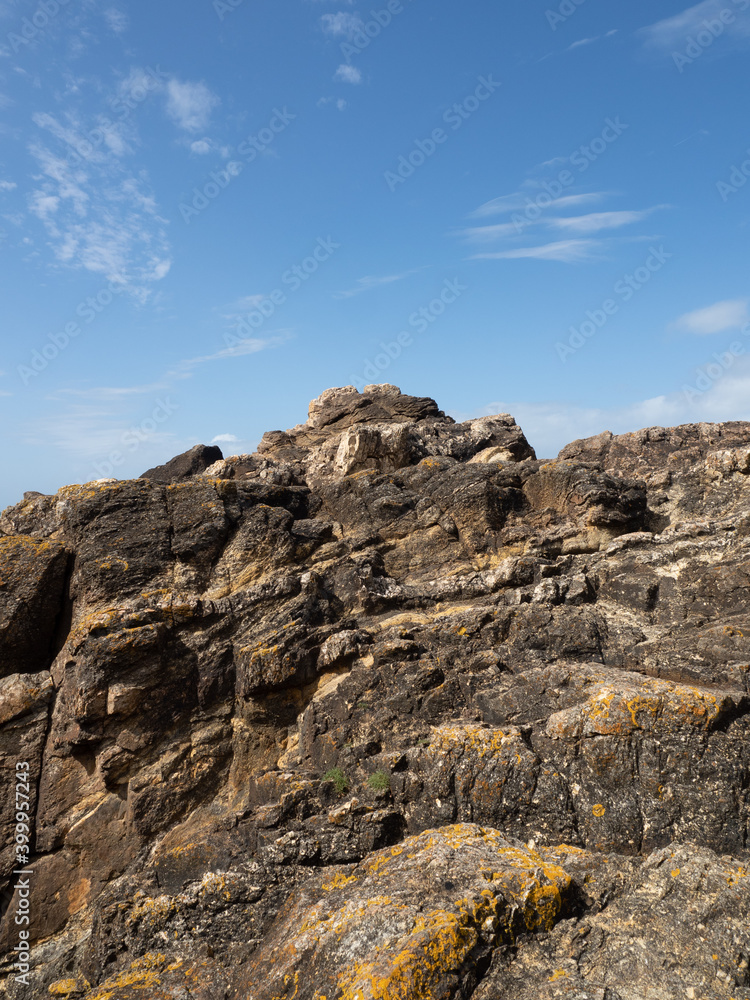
(389, 709)
(190, 463)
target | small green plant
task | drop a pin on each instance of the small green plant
(424, 742)
(379, 781)
(339, 779)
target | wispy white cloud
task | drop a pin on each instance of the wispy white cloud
(489, 234)
(371, 281)
(245, 304)
(92, 421)
(348, 74)
(117, 20)
(731, 314)
(518, 200)
(549, 426)
(587, 225)
(341, 24)
(595, 222)
(674, 32)
(225, 439)
(190, 105)
(582, 41)
(8, 185)
(110, 393)
(498, 206)
(97, 214)
(248, 345)
(111, 139)
(139, 82)
(564, 251)
(90, 432)
(338, 102)
(534, 208)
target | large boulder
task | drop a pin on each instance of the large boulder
(189, 463)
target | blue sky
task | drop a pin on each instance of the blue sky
(211, 212)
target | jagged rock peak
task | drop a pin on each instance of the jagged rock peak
(379, 429)
(344, 406)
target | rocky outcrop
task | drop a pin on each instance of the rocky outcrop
(389, 708)
(190, 463)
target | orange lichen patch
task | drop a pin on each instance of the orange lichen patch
(152, 908)
(112, 563)
(373, 866)
(363, 473)
(439, 943)
(479, 740)
(143, 974)
(20, 557)
(21, 546)
(385, 932)
(565, 849)
(600, 705)
(79, 492)
(734, 875)
(144, 637)
(339, 881)
(730, 630)
(639, 703)
(217, 884)
(65, 987)
(599, 810)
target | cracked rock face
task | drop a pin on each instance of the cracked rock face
(388, 709)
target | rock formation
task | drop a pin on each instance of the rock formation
(388, 710)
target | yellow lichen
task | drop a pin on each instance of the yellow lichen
(64, 987)
(142, 974)
(338, 882)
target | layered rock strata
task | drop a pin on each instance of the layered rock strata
(388, 709)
